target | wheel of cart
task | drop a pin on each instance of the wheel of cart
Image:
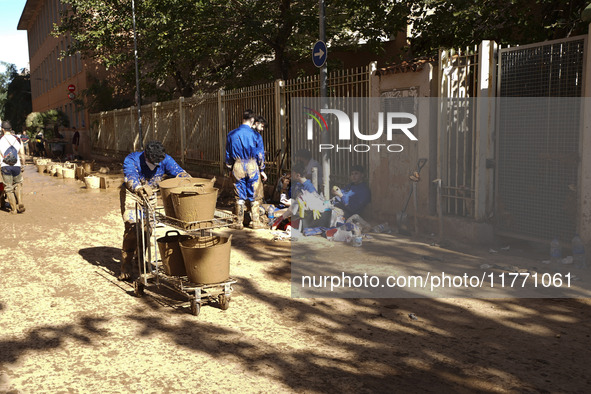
(224, 302)
(150, 217)
(138, 287)
(195, 306)
(220, 293)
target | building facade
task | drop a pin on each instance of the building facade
(56, 81)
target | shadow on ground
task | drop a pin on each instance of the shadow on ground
(103, 256)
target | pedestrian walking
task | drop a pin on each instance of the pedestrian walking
(76, 144)
(13, 160)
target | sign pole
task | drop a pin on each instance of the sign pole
(323, 99)
(137, 80)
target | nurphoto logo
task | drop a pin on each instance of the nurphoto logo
(391, 122)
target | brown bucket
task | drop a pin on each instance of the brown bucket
(194, 204)
(207, 259)
(168, 185)
(170, 251)
(87, 165)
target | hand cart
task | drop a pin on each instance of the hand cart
(151, 217)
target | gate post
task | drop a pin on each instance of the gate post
(280, 115)
(584, 222)
(134, 136)
(485, 125)
(182, 128)
(221, 140)
(154, 117)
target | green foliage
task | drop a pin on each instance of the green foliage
(34, 123)
(5, 79)
(18, 103)
(48, 122)
(53, 119)
(462, 23)
(186, 47)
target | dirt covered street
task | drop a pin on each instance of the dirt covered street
(67, 324)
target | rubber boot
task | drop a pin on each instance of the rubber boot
(128, 251)
(126, 265)
(19, 199)
(255, 222)
(238, 224)
(12, 201)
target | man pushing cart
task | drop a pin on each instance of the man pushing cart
(143, 172)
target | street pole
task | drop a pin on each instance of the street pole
(323, 99)
(323, 71)
(137, 80)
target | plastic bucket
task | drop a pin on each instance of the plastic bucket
(194, 204)
(170, 251)
(69, 173)
(41, 168)
(48, 166)
(92, 182)
(168, 185)
(207, 259)
(53, 169)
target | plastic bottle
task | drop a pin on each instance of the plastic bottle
(555, 252)
(578, 252)
(357, 237)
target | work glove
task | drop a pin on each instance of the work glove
(264, 176)
(183, 174)
(316, 214)
(144, 191)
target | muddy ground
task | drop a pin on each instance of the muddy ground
(67, 325)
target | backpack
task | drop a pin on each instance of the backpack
(10, 156)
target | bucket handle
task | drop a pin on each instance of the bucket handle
(172, 231)
(200, 190)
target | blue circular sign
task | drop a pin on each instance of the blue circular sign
(319, 53)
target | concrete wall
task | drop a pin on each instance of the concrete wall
(389, 172)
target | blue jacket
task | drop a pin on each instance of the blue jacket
(245, 143)
(298, 188)
(355, 198)
(261, 148)
(137, 172)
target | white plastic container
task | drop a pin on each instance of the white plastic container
(92, 182)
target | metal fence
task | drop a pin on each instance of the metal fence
(457, 126)
(538, 160)
(194, 129)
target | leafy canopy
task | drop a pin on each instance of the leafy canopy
(189, 46)
(185, 47)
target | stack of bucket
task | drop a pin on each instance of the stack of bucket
(60, 170)
(206, 259)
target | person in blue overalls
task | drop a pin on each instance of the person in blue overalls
(245, 158)
(143, 171)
